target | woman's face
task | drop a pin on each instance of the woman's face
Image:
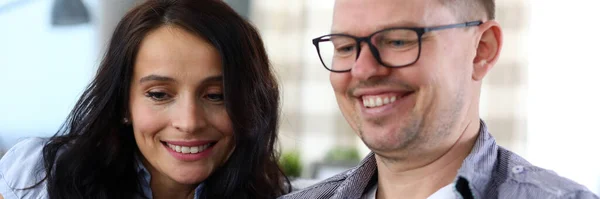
(177, 109)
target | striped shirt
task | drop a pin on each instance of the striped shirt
(489, 171)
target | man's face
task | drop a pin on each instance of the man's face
(431, 96)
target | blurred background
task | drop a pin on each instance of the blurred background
(541, 100)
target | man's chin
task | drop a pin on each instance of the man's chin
(380, 142)
(386, 139)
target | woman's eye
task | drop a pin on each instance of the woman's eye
(215, 97)
(157, 96)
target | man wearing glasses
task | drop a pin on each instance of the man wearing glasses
(407, 76)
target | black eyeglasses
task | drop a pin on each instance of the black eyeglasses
(392, 47)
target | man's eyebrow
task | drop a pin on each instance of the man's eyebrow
(396, 24)
(400, 24)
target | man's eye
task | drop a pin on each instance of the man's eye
(396, 43)
(157, 96)
(344, 50)
(215, 97)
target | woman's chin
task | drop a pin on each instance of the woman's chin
(191, 180)
(191, 177)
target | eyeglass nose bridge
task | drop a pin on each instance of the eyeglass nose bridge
(372, 47)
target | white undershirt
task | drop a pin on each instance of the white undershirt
(443, 193)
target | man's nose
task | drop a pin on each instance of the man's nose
(366, 65)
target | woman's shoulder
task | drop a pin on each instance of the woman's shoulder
(22, 167)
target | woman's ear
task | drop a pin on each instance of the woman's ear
(488, 49)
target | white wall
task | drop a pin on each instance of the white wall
(564, 89)
(43, 70)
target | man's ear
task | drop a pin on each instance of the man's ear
(488, 49)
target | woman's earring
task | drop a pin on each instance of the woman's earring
(125, 120)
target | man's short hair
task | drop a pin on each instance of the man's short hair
(469, 10)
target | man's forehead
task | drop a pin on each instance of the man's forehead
(367, 16)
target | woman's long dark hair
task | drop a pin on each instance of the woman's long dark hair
(92, 155)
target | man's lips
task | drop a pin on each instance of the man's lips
(379, 100)
(378, 97)
(371, 101)
(385, 104)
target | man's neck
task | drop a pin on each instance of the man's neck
(434, 170)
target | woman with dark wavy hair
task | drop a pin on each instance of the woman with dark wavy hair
(184, 105)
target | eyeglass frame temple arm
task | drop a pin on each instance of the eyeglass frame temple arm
(460, 25)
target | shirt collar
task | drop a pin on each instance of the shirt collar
(477, 167)
(144, 176)
(358, 178)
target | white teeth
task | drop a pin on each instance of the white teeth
(186, 149)
(194, 149)
(371, 102)
(174, 147)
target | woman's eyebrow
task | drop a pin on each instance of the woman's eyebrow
(156, 78)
